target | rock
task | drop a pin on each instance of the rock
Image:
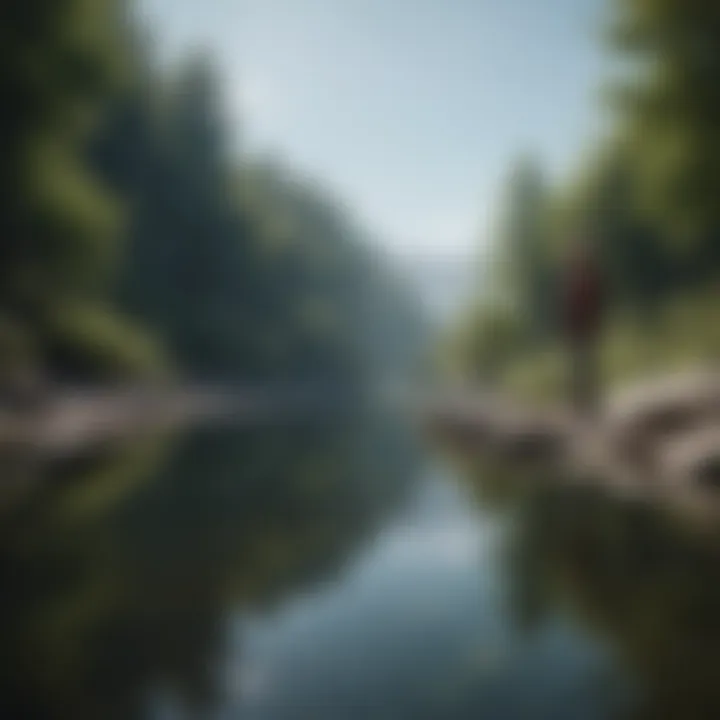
(693, 458)
(666, 404)
(662, 433)
(640, 420)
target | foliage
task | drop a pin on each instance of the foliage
(647, 197)
(242, 268)
(61, 62)
(683, 334)
(522, 258)
(672, 109)
(136, 239)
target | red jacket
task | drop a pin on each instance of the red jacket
(583, 302)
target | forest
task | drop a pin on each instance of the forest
(138, 244)
(646, 195)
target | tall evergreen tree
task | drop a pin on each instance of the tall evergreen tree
(673, 109)
(524, 248)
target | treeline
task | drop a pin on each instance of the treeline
(136, 243)
(648, 197)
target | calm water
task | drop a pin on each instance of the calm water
(342, 571)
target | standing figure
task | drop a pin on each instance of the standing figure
(583, 306)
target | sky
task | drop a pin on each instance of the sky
(412, 111)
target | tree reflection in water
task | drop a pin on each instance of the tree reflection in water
(636, 576)
(120, 571)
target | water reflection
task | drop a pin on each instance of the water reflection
(418, 628)
(638, 574)
(120, 572)
(645, 582)
(334, 570)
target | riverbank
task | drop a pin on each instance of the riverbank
(663, 433)
(72, 420)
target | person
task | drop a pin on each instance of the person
(583, 310)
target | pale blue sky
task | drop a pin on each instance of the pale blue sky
(412, 110)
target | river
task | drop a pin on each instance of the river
(342, 571)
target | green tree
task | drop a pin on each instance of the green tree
(523, 252)
(240, 266)
(59, 228)
(672, 109)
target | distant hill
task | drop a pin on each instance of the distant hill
(446, 283)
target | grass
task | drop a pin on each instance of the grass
(685, 334)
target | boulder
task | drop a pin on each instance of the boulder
(693, 458)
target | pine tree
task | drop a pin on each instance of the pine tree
(673, 109)
(524, 249)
